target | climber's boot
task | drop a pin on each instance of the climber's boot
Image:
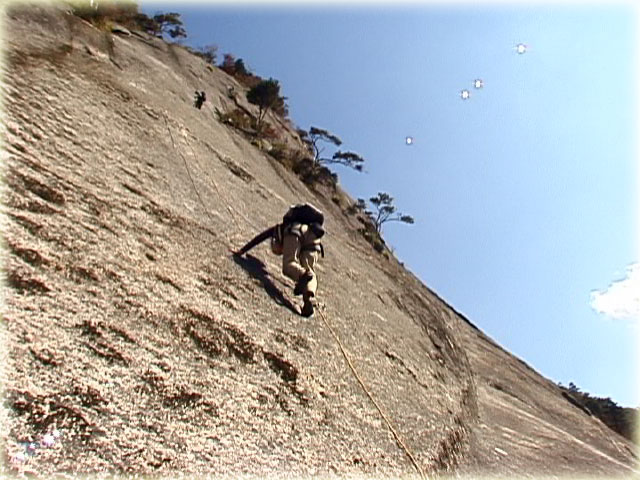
(307, 307)
(302, 282)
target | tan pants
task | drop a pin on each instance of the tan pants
(296, 260)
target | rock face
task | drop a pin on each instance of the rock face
(130, 331)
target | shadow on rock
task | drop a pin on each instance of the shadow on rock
(257, 269)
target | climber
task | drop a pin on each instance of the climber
(200, 99)
(297, 239)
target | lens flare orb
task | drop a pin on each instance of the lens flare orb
(521, 48)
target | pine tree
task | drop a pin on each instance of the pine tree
(316, 135)
(266, 95)
(385, 211)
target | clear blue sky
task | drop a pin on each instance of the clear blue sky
(524, 195)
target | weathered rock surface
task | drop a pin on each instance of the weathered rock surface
(130, 328)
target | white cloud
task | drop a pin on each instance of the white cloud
(621, 299)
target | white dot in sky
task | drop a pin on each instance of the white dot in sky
(478, 83)
(521, 48)
(409, 140)
(464, 94)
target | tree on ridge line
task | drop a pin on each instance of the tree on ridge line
(385, 211)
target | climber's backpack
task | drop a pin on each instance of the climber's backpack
(300, 213)
(303, 213)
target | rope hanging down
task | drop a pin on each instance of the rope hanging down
(397, 437)
(191, 178)
(215, 185)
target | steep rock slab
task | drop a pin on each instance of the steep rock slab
(132, 331)
(527, 427)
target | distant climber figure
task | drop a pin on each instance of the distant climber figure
(201, 97)
(297, 239)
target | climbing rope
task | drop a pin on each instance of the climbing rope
(397, 437)
(187, 167)
(215, 185)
